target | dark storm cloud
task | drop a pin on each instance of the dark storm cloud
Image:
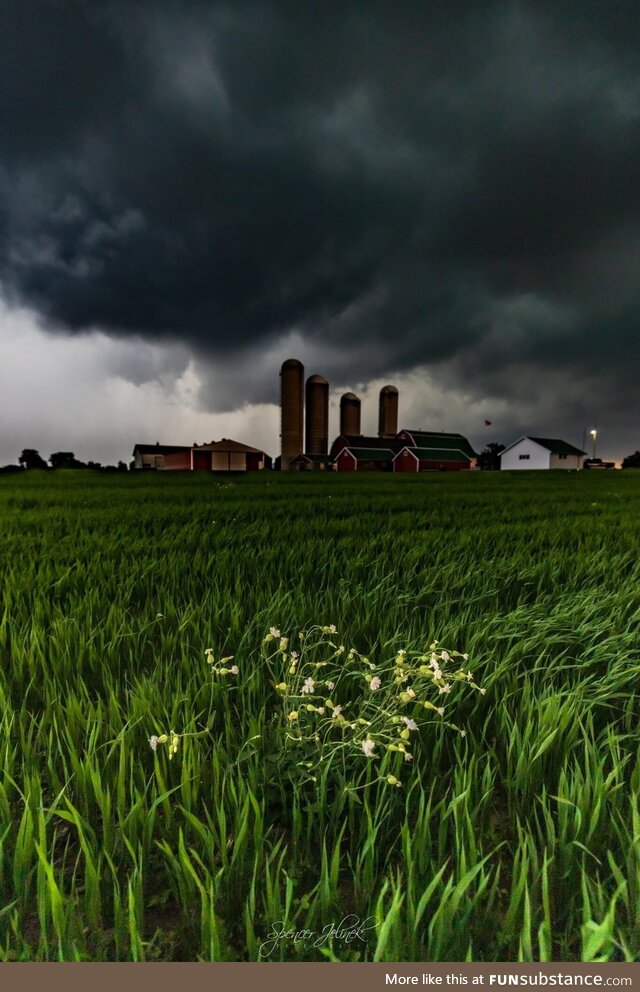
(402, 184)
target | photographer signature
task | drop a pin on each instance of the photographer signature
(349, 929)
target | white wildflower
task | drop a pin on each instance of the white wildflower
(407, 756)
(445, 687)
(375, 683)
(274, 631)
(440, 710)
(337, 710)
(409, 724)
(234, 669)
(153, 742)
(481, 690)
(330, 686)
(341, 649)
(308, 686)
(368, 746)
(332, 628)
(410, 692)
(444, 655)
(284, 641)
(294, 655)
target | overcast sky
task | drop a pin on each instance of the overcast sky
(442, 196)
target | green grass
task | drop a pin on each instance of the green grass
(519, 842)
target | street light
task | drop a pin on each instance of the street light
(594, 435)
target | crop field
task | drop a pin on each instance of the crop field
(180, 781)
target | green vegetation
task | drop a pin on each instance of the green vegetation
(520, 840)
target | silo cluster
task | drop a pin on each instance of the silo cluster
(304, 411)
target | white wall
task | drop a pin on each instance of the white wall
(539, 457)
(570, 462)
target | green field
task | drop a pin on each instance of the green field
(520, 840)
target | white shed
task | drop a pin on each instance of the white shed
(541, 452)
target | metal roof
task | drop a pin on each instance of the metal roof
(556, 446)
(315, 458)
(438, 439)
(372, 441)
(160, 449)
(372, 454)
(226, 444)
(440, 454)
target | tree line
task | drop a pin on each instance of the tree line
(32, 459)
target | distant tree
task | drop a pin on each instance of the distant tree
(489, 459)
(65, 459)
(10, 468)
(94, 465)
(30, 458)
(632, 461)
(122, 467)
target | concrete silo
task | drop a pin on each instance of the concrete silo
(350, 414)
(388, 411)
(291, 411)
(317, 416)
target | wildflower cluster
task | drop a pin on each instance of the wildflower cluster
(218, 667)
(337, 701)
(172, 739)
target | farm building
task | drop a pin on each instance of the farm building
(216, 456)
(227, 456)
(312, 463)
(360, 453)
(406, 451)
(365, 460)
(541, 453)
(427, 451)
(161, 456)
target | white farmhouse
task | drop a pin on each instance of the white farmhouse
(541, 452)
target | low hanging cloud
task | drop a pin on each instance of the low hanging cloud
(402, 193)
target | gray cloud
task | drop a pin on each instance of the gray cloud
(385, 192)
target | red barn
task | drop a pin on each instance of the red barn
(424, 451)
(364, 460)
(406, 451)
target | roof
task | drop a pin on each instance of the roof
(226, 444)
(555, 445)
(314, 458)
(372, 454)
(160, 449)
(438, 454)
(440, 439)
(367, 441)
